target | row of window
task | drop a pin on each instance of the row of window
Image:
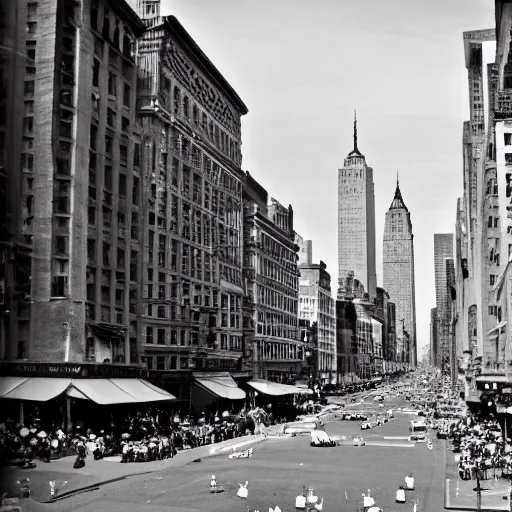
(181, 105)
(282, 272)
(189, 337)
(271, 351)
(273, 298)
(185, 363)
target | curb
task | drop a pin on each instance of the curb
(97, 485)
(260, 438)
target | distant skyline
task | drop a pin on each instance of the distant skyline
(303, 67)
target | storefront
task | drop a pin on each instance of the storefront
(215, 391)
(54, 388)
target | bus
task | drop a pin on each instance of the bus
(418, 427)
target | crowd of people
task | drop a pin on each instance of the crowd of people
(482, 447)
(143, 436)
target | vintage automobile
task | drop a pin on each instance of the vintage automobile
(359, 441)
(366, 425)
(417, 438)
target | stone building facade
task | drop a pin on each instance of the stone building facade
(78, 166)
(398, 268)
(385, 313)
(14, 247)
(433, 337)
(316, 306)
(443, 249)
(191, 216)
(356, 222)
(273, 349)
(477, 258)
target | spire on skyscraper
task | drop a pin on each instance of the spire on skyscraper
(355, 151)
(355, 132)
(397, 202)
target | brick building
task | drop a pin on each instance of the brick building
(273, 349)
(78, 185)
(191, 317)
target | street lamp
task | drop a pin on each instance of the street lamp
(478, 489)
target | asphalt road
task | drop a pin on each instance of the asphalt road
(278, 471)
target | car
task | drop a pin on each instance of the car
(359, 441)
(366, 425)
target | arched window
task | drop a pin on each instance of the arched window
(115, 40)
(195, 114)
(127, 46)
(106, 26)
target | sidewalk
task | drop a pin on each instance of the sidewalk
(100, 472)
(461, 494)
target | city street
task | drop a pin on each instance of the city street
(279, 469)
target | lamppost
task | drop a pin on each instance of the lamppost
(478, 489)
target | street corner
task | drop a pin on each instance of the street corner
(462, 495)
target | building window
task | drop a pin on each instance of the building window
(59, 286)
(90, 349)
(125, 124)
(111, 117)
(109, 145)
(126, 95)
(96, 73)
(160, 362)
(112, 84)
(508, 139)
(160, 337)
(122, 185)
(29, 87)
(61, 244)
(149, 334)
(22, 350)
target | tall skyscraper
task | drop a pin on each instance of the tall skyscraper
(356, 221)
(443, 249)
(398, 258)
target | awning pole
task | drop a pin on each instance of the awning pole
(190, 399)
(22, 413)
(69, 425)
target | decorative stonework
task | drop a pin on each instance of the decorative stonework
(210, 98)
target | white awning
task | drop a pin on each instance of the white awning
(221, 385)
(38, 389)
(101, 391)
(274, 388)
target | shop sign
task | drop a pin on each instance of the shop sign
(73, 371)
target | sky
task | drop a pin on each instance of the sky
(303, 67)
